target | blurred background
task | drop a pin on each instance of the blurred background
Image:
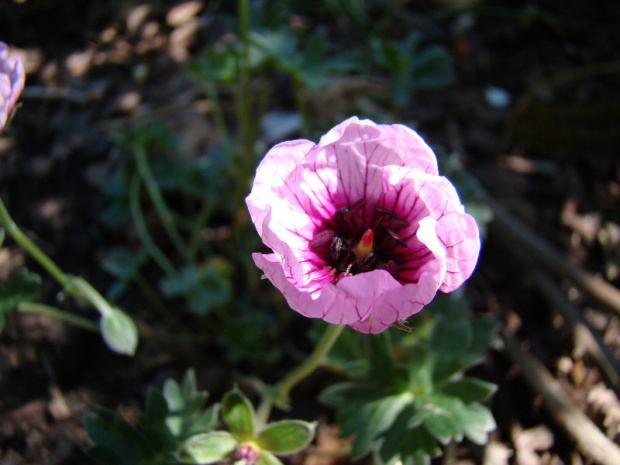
(520, 100)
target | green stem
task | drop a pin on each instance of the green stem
(160, 204)
(33, 250)
(46, 310)
(142, 230)
(283, 389)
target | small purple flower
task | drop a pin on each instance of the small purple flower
(12, 78)
(363, 229)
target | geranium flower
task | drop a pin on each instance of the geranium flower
(363, 229)
(12, 78)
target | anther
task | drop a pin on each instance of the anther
(396, 238)
(322, 238)
(394, 223)
(387, 212)
(335, 247)
(367, 262)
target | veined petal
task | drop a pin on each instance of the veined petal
(314, 204)
(274, 181)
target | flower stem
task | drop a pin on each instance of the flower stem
(33, 250)
(142, 230)
(160, 204)
(283, 389)
(46, 310)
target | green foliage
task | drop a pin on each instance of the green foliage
(169, 418)
(309, 62)
(175, 427)
(412, 66)
(203, 287)
(22, 285)
(281, 438)
(404, 407)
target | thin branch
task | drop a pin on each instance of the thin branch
(588, 438)
(584, 335)
(519, 237)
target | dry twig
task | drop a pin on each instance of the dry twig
(588, 438)
(584, 335)
(512, 231)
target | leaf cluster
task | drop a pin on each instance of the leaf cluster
(408, 401)
(169, 418)
(175, 427)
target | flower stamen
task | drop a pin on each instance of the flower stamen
(394, 236)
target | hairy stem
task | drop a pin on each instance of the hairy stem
(33, 250)
(47, 310)
(283, 389)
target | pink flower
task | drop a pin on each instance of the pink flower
(363, 229)
(12, 78)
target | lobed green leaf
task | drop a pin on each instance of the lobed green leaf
(469, 389)
(117, 442)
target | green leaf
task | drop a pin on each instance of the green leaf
(109, 430)
(119, 332)
(432, 68)
(478, 422)
(2, 236)
(203, 287)
(469, 389)
(445, 366)
(207, 447)
(238, 414)
(185, 403)
(267, 458)
(450, 336)
(441, 416)
(21, 286)
(411, 445)
(420, 368)
(123, 264)
(486, 334)
(153, 422)
(366, 411)
(286, 437)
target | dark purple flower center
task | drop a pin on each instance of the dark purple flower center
(353, 242)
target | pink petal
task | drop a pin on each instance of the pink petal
(383, 145)
(12, 78)
(460, 236)
(397, 304)
(341, 304)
